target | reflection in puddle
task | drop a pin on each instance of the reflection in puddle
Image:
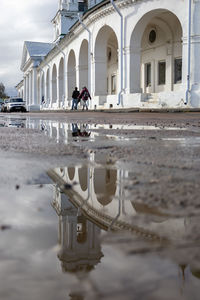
(110, 246)
(65, 132)
(89, 201)
(100, 194)
(79, 239)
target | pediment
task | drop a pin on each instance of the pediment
(25, 56)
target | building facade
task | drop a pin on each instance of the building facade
(130, 54)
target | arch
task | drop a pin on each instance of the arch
(61, 79)
(106, 61)
(152, 61)
(71, 73)
(54, 84)
(83, 64)
(71, 172)
(105, 184)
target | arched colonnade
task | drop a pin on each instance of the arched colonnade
(153, 62)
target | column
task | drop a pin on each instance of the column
(65, 82)
(24, 94)
(100, 76)
(133, 80)
(58, 100)
(30, 88)
(34, 86)
(41, 88)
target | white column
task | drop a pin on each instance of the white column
(93, 77)
(30, 88)
(34, 86)
(24, 95)
(27, 91)
(41, 88)
(58, 90)
(46, 85)
(50, 92)
(100, 76)
(195, 54)
(77, 83)
(65, 82)
(126, 70)
(133, 79)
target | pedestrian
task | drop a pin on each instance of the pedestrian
(84, 95)
(75, 96)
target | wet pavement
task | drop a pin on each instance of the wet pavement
(100, 206)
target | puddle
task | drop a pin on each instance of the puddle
(99, 223)
(83, 233)
(67, 237)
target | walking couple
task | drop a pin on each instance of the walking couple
(77, 97)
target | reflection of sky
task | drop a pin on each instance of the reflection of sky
(29, 268)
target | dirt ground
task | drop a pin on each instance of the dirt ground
(163, 158)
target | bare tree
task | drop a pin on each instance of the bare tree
(2, 91)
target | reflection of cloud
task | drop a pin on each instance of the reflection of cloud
(28, 261)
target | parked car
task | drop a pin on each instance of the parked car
(14, 104)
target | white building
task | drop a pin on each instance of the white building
(130, 53)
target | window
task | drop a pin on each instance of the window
(81, 6)
(161, 72)
(148, 74)
(152, 36)
(177, 70)
(113, 84)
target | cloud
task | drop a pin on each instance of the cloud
(26, 20)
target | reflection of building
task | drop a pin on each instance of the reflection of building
(77, 234)
(142, 60)
(79, 241)
(98, 191)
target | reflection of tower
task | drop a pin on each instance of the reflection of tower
(80, 248)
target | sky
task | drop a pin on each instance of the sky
(22, 20)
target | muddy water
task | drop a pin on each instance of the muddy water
(92, 229)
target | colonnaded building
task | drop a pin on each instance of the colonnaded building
(129, 53)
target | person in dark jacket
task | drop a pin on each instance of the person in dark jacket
(84, 95)
(75, 96)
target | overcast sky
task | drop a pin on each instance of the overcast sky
(22, 20)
